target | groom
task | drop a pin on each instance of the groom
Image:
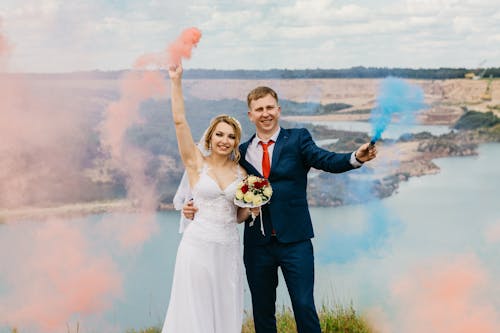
(284, 156)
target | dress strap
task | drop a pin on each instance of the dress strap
(203, 168)
(238, 172)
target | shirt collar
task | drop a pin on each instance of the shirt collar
(274, 137)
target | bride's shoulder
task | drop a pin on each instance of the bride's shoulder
(241, 171)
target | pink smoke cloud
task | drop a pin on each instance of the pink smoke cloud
(43, 138)
(136, 87)
(444, 296)
(51, 275)
(139, 86)
(48, 273)
(180, 48)
(49, 270)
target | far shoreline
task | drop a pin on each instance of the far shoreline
(420, 167)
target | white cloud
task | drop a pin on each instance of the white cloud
(253, 34)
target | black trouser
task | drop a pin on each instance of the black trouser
(297, 264)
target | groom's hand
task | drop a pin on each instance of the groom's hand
(189, 210)
(366, 152)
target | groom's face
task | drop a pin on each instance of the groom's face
(264, 113)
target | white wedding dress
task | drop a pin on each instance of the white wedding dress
(207, 289)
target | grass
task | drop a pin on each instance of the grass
(154, 329)
(336, 319)
(332, 320)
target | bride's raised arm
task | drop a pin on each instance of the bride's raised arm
(190, 154)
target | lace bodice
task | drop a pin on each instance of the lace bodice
(215, 219)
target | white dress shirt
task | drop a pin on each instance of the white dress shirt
(255, 151)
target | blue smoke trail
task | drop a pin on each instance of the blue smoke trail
(400, 101)
(397, 99)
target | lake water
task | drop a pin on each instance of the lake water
(364, 253)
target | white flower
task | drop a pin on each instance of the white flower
(239, 194)
(257, 200)
(252, 180)
(248, 197)
(268, 191)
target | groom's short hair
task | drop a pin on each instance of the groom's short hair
(261, 92)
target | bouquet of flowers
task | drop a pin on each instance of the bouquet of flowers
(253, 192)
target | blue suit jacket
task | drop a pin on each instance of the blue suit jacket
(287, 212)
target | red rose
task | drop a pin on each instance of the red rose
(244, 188)
(258, 185)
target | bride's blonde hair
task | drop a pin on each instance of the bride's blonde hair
(231, 121)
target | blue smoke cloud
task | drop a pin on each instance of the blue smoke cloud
(342, 248)
(397, 100)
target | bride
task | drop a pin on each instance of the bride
(207, 289)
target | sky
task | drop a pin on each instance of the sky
(64, 36)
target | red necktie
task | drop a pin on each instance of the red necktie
(266, 163)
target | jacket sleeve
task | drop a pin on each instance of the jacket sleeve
(322, 159)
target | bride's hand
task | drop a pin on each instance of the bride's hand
(175, 72)
(189, 210)
(255, 211)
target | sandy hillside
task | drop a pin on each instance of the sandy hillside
(445, 97)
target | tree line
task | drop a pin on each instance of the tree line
(353, 72)
(318, 73)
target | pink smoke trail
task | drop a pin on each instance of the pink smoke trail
(136, 87)
(180, 48)
(445, 296)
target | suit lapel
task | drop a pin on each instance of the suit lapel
(280, 143)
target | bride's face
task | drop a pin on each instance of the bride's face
(223, 140)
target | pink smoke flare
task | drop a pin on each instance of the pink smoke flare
(180, 48)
